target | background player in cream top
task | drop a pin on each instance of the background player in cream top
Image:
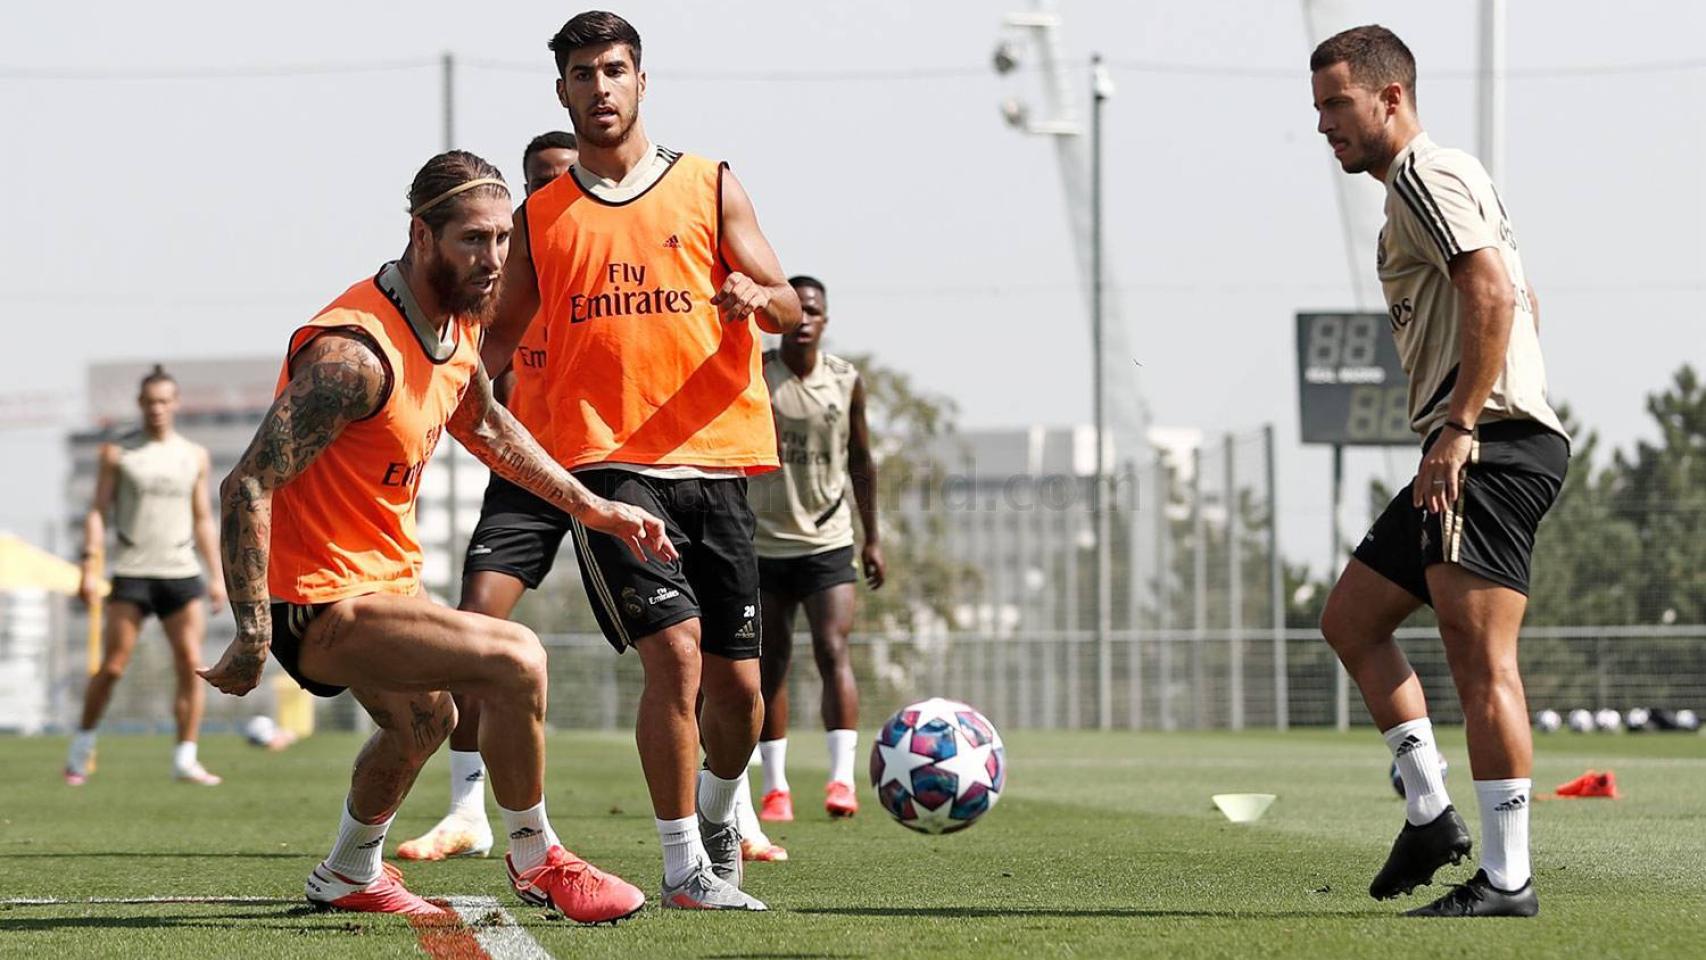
(805, 549)
(153, 483)
(1460, 537)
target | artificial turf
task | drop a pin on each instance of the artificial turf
(1105, 845)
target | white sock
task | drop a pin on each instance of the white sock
(746, 818)
(183, 756)
(1504, 830)
(1417, 756)
(468, 784)
(82, 747)
(359, 848)
(774, 754)
(717, 796)
(530, 835)
(683, 851)
(842, 745)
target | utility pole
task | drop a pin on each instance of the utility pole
(1490, 115)
(1101, 88)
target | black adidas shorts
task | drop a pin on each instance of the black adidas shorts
(795, 578)
(157, 597)
(1513, 477)
(716, 578)
(289, 625)
(518, 534)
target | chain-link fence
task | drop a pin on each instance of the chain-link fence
(993, 598)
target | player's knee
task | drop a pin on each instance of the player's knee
(521, 661)
(830, 651)
(113, 668)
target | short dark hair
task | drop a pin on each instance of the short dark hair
(590, 28)
(804, 281)
(549, 140)
(447, 171)
(157, 375)
(1375, 54)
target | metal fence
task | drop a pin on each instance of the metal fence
(1173, 680)
(1163, 680)
(992, 599)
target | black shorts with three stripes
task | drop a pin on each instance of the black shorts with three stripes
(1514, 475)
(709, 521)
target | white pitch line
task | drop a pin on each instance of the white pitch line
(503, 939)
(53, 901)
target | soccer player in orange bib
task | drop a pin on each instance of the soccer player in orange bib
(323, 563)
(511, 549)
(652, 279)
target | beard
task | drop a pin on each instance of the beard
(600, 137)
(451, 290)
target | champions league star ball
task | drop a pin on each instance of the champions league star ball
(938, 765)
(1548, 721)
(1608, 720)
(1581, 721)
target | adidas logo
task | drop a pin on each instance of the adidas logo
(1514, 803)
(479, 550)
(745, 632)
(673, 243)
(1411, 742)
(524, 833)
(369, 845)
(475, 777)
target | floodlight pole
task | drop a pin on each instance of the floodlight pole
(1490, 118)
(1101, 88)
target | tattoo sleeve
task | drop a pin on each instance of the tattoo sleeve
(493, 436)
(337, 379)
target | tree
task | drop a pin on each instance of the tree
(907, 424)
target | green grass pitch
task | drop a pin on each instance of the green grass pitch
(1105, 845)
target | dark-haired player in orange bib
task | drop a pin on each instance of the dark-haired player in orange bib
(508, 522)
(322, 559)
(653, 280)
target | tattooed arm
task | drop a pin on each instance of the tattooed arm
(336, 379)
(492, 434)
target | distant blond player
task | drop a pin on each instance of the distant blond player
(153, 483)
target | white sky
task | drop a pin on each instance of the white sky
(204, 217)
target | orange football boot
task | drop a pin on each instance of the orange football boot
(839, 799)
(778, 807)
(329, 890)
(576, 889)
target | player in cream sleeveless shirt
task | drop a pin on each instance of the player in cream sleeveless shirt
(805, 544)
(153, 483)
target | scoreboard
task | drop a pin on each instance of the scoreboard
(1350, 384)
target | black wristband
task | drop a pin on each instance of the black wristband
(1460, 428)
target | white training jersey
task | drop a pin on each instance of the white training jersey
(803, 508)
(1441, 203)
(153, 507)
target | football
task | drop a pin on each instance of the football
(1608, 720)
(1548, 721)
(259, 730)
(1581, 721)
(938, 765)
